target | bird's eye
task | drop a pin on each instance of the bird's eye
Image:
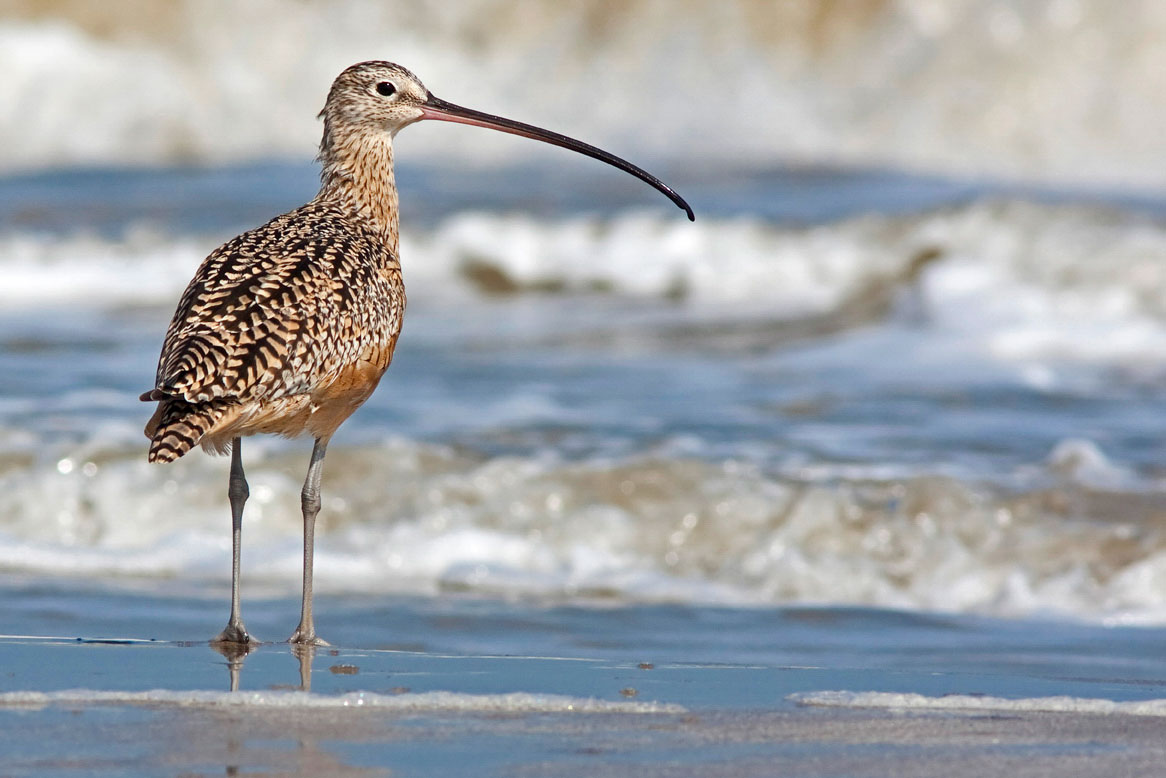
(386, 89)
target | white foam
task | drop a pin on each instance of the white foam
(1085, 463)
(142, 268)
(732, 262)
(1009, 281)
(412, 518)
(421, 702)
(897, 701)
(83, 118)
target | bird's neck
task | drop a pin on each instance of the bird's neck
(358, 175)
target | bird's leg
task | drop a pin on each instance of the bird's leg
(310, 502)
(237, 493)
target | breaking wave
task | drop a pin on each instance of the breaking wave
(967, 87)
(407, 517)
(1013, 280)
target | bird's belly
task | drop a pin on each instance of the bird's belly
(335, 401)
(287, 416)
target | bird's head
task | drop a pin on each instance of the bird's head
(386, 97)
(376, 96)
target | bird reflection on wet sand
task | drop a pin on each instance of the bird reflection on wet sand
(235, 653)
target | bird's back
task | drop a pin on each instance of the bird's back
(283, 329)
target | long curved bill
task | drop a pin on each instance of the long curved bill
(436, 108)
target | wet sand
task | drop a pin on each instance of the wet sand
(98, 680)
(123, 707)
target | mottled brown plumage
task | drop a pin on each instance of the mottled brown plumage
(289, 327)
(272, 329)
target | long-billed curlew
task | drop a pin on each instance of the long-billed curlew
(288, 328)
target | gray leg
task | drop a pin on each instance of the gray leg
(310, 502)
(237, 492)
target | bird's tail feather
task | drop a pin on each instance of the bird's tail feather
(177, 427)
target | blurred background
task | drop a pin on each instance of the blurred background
(1037, 90)
(910, 355)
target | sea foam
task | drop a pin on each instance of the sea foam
(421, 702)
(414, 518)
(964, 703)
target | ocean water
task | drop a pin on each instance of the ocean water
(921, 394)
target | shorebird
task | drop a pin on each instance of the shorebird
(288, 328)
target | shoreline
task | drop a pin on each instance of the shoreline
(669, 719)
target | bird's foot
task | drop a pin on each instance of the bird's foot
(236, 633)
(306, 637)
